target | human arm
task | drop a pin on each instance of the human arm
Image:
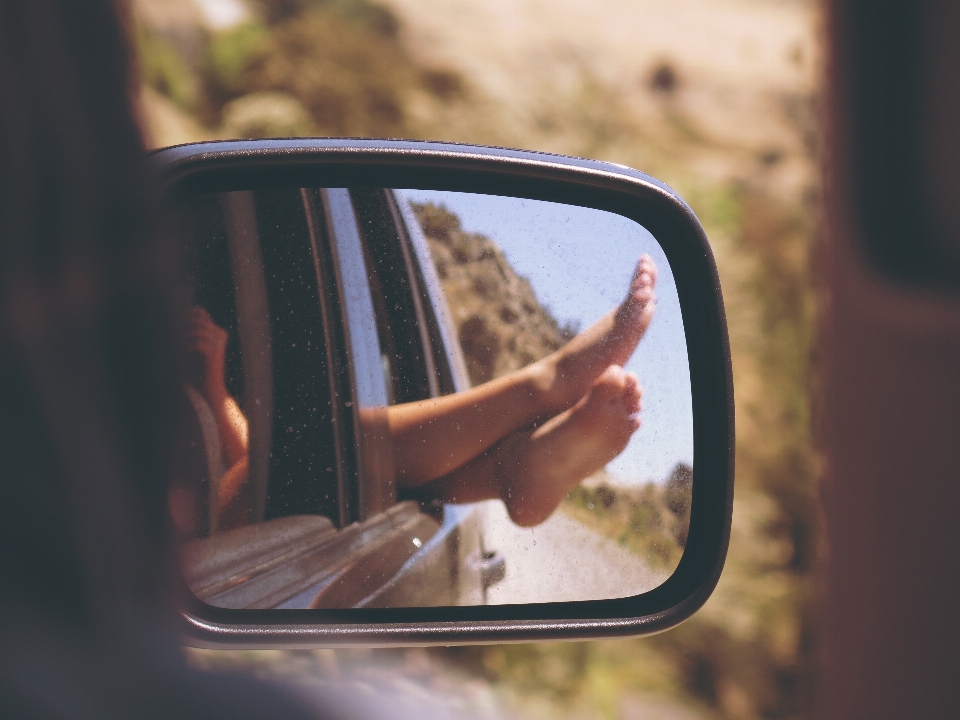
(209, 340)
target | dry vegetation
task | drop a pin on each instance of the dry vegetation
(652, 520)
(500, 323)
(290, 68)
(716, 98)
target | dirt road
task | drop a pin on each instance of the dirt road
(561, 560)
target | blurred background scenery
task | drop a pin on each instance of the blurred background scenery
(717, 98)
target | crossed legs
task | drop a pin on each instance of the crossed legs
(530, 436)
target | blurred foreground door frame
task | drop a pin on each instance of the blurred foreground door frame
(891, 372)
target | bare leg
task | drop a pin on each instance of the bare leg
(434, 437)
(235, 497)
(532, 470)
(567, 374)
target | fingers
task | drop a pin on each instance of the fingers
(201, 325)
(204, 336)
(208, 333)
(199, 318)
(205, 344)
(210, 338)
(200, 312)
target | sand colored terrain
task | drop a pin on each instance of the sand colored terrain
(579, 78)
(562, 560)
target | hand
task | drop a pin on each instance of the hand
(209, 340)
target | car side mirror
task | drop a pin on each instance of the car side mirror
(442, 394)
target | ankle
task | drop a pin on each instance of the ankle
(539, 388)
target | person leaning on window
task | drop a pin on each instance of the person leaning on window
(88, 389)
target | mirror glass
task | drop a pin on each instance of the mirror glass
(404, 398)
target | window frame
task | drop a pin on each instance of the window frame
(339, 371)
(375, 487)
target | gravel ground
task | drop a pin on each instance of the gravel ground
(561, 560)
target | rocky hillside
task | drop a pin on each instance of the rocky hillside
(501, 324)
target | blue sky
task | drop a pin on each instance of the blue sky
(579, 261)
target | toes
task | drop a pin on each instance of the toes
(632, 394)
(641, 297)
(610, 384)
(646, 308)
(611, 373)
(652, 269)
(642, 280)
(645, 274)
(644, 296)
(616, 385)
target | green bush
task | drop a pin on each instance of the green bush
(163, 68)
(233, 51)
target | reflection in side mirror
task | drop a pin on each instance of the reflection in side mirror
(408, 398)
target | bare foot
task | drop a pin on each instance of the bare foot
(461, 428)
(538, 468)
(641, 301)
(564, 376)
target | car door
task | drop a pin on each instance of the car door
(330, 320)
(419, 359)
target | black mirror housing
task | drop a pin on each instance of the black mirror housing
(345, 163)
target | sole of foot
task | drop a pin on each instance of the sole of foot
(566, 376)
(540, 467)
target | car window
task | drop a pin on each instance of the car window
(323, 309)
(437, 321)
(369, 382)
(406, 354)
(304, 463)
(326, 321)
(199, 461)
(254, 276)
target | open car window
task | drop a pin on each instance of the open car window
(255, 280)
(409, 358)
(318, 301)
